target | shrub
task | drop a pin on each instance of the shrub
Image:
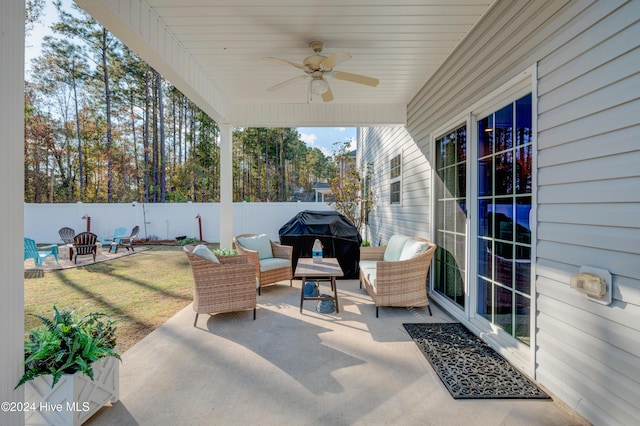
(185, 241)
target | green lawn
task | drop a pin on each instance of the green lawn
(142, 291)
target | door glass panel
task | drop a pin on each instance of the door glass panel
(523, 120)
(504, 129)
(504, 173)
(523, 210)
(485, 218)
(503, 309)
(485, 299)
(451, 215)
(504, 204)
(523, 170)
(485, 136)
(522, 318)
(485, 258)
(485, 177)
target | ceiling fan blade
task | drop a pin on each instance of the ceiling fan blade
(284, 61)
(335, 59)
(286, 83)
(328, 95)
(356, 78)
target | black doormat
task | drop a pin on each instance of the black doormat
(467, 366)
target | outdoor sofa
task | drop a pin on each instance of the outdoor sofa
(396, 274)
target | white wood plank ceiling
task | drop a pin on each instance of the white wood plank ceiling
(399, 43)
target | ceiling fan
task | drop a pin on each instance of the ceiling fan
(317, 66)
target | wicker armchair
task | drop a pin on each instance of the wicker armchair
(228, 286)
(265, 272)
(396, 283)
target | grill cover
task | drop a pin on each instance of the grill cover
(339, 237)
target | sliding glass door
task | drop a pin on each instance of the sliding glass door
(451, 215)
(504, 160)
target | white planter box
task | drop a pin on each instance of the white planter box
(75, 397)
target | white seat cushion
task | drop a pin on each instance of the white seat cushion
(273, 263)
(368, 268)
(259, 243)
(368, 264)
(370, 273)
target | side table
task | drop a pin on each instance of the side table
(327, 270)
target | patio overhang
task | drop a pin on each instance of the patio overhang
(213, 50)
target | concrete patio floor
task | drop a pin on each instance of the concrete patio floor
(288, 368)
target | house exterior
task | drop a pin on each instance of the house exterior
(521, 160)
(321, 190)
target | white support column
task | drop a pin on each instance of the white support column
(12, 206)
(226, 187)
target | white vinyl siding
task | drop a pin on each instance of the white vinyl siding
(587, 177)
(588, 210)
(412, 217)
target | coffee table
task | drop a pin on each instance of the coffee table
(327, 270)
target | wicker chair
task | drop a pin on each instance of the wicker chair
(400, 283)
(265, 275)
(84, 244)
(228, 286)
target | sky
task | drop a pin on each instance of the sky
(322, 138)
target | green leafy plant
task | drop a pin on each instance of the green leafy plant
(366, 243)
(225, 252)
(186, 241)
(67, 343)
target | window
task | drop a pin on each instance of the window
(395, 178)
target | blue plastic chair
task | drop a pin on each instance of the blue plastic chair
(113, 240)
(38, 254)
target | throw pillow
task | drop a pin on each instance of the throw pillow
(394, 247)
(204, 252)
(412, 248)
(259, 243)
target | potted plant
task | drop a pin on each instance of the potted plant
(71, 367)
(225, 252)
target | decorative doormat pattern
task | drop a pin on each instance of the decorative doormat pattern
(468, 367)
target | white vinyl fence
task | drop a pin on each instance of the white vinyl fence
(157, 220)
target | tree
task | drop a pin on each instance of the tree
(100, 43)
(350, 187)
(32, 13)
(62, 64)
(96, 121)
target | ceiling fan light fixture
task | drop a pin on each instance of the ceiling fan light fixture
(319, 86)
